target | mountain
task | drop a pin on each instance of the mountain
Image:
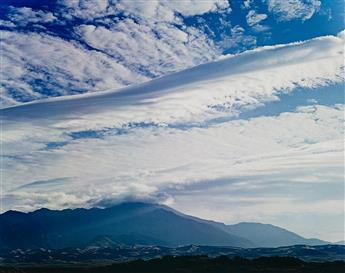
(340, 243)
(265, 235)
(131, 224)
(151, 224)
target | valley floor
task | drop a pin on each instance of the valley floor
(196, 264)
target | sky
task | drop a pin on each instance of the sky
(226, 110)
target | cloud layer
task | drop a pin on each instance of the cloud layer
(182, 137)
(72, 47)
(294, 9)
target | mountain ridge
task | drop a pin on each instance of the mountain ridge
(133, 223)
(235, 228)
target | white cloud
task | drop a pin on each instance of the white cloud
(194, 7)
(156, 10)
(7, 23)
(254, 18)
(204, 92)
(291, 150)
(238, 39)
(172, 51)
(247, 3)
(287, 10)
(25, 15)
(153, 35)
(150, 42)
(39, 65)
(195, 95)
(85, 9)
(165, 138)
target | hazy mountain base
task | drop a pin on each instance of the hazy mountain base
(110, 254)
(200, 264)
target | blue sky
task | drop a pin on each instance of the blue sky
(94, 46)
(231, 111)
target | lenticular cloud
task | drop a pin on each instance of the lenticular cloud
(151, 140)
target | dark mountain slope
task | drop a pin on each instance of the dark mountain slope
(134, 223)
(261, 235)
(74, 228)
